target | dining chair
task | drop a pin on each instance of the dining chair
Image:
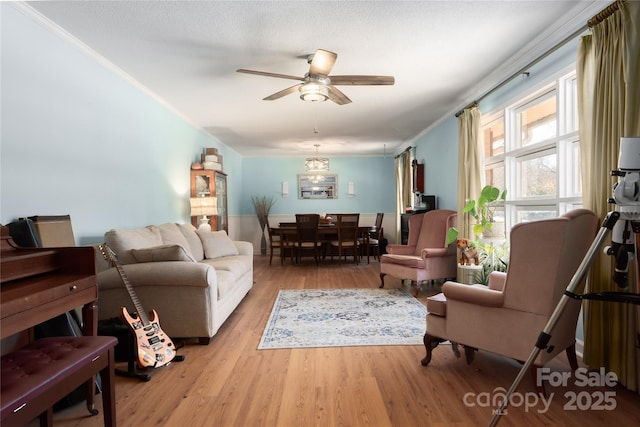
(347, 225)
(278, 241)
(373, 238)
(307, 238)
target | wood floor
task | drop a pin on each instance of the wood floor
(231, 383)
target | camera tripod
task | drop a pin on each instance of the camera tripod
(623, 297)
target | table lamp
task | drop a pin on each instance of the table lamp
(204, 206)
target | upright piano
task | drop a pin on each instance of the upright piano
(37, 284)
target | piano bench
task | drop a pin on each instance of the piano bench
(38, 375)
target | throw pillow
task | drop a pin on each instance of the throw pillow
(162, 253)
(122, 241)
(217, 244)
(171, 235)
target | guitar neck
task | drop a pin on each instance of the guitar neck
(142, 315)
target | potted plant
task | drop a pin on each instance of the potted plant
(482, 210)
(262, 206)
(493, 257)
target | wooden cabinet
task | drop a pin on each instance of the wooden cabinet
(210, 183)
(418, 176)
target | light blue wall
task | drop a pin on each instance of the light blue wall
(78, 139)
(438, 150)
(373, 179)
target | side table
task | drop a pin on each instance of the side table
(468, 274)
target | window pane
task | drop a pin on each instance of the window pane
(535, 213)
(537, 176)
(493, 138)
(495, 176)
(571, 103)
(538, 121)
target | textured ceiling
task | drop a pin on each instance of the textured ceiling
(441, 53)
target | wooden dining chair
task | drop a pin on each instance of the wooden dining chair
(347, 225)
(307, 239)
(371, 241)
(278, 240)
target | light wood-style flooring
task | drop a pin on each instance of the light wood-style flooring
(231, 383)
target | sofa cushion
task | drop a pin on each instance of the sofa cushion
(217, 244)
(437, 304)
(404, 260)
(189, 233)
(122, 241)
(171, 235)
(162, 253)
(226, 282)
(236, 265)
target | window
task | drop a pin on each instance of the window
(531, 149)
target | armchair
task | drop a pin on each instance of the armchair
(507, 316)
(426, 255)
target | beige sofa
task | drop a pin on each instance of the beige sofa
(193, 279)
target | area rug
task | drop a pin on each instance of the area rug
(305, 318)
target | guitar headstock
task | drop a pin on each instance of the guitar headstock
(108, 254)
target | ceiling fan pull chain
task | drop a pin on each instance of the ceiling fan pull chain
(315, 119)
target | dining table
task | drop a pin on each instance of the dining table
(326, 232)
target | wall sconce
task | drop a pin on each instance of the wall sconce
(285, 188)
(351, 189)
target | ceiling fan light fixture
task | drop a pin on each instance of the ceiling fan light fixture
(314, 92)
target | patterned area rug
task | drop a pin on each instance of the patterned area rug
(344, 318)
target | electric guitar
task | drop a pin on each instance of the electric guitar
(153, 347)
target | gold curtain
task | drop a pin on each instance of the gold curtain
(469, 164)
(608, 76)
(403, 186)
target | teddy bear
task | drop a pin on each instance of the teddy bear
(468, 252)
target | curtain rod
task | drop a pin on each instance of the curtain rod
(599, 17)
(403, 151)
(604, 14)
(526, 67)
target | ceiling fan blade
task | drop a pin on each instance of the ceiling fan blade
(267, 74)
(282, 93)
(362, 80)
(322, 62)
(337, 96)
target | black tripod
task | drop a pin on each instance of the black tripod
(545, 337)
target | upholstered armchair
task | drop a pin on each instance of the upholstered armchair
(507, 316)
(426, 256)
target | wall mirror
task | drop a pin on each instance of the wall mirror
(317, 186)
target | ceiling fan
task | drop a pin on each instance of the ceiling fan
(317, 85)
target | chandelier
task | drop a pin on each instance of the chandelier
(316, 164)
